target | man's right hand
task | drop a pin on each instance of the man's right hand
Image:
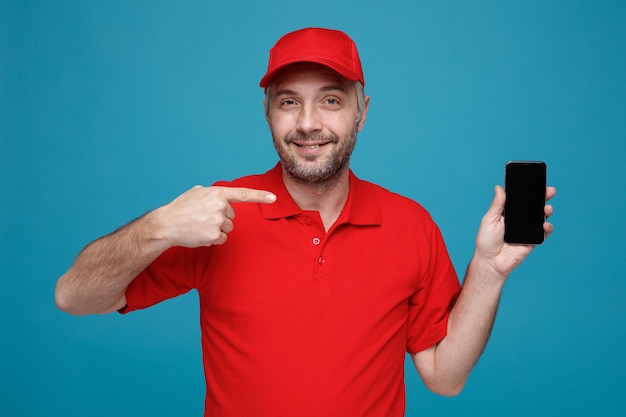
(97, 281)
(203, 216)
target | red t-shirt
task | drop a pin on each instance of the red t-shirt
(297, 321)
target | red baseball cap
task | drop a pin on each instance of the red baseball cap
(328, 47)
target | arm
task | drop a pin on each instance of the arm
(97, 281)
(445, 366)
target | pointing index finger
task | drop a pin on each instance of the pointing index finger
(248, 195)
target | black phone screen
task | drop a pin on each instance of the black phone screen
(525, 187)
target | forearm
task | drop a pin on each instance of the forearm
(202, 216)
(471, 321)
(446, 366)
(98, 279)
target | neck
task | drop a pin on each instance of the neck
(327, 197)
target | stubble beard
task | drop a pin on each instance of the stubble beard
(322, 174)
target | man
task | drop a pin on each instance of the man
(311, 296)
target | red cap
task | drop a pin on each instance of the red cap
(331, 48)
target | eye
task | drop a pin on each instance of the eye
(332, 101)
(287, 102)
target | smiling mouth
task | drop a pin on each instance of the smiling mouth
(309, 145)
(310, 142)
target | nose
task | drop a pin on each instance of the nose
(309, 119)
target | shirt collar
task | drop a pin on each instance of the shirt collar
(362, 207)
(284, 206)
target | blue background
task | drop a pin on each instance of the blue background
(112, 108)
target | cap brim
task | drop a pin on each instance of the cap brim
(344, 72)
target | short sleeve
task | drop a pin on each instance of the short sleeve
(173, 273)
(430, 305)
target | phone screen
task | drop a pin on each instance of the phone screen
(525, 187)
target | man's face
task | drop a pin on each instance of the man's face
(312, 114)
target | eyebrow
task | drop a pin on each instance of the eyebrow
(333, 87)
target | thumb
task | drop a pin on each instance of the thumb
(496, 210)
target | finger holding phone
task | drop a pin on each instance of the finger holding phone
(516, 221)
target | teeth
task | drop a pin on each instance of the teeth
(309, 146)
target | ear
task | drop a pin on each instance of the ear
(266, 109)
(364, 114)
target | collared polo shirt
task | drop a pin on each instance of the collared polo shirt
(297, 321)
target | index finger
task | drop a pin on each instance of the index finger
(248, 195)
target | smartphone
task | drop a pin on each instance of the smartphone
(525, 188)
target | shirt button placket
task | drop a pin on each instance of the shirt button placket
(317, 241)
